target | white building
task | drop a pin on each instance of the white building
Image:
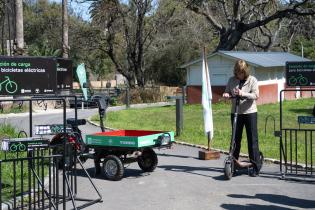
(267, 67)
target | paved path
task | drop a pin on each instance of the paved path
(182, 182)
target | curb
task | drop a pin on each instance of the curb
(139, 106)
(35, 113)
(110, 109)
(97, 125)
(268, 160)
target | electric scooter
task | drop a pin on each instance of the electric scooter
(230, 162)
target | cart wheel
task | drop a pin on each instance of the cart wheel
(228, 168)
(148, 160)
(113, 168)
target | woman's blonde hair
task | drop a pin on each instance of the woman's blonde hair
(241, 67)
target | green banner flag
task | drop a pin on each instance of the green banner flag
(81, 73)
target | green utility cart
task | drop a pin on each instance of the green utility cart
(115, 148)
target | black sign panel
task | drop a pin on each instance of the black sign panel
(22, 144)
(306, 119)
(27, 75)
(300, 73)
(64, 74)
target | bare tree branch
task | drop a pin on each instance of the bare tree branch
(206, 14)
(281, 14)
(247, 16)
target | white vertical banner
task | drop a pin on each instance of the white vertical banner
(206, 97)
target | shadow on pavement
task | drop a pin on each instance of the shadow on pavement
(178, 156)
(194, 170)
(279, 199)
(252, 206)
(289, 179)
(129, 173)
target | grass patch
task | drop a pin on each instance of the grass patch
(14, 109)
(7, 130)
(7, 176)
(163, 118)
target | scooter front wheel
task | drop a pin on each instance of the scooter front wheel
(228, 168)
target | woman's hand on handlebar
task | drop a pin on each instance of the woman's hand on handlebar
(226, 95)
(229, 96)
(237, 92)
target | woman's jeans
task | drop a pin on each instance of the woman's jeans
(250, 123)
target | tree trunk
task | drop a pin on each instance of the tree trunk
(65, 29)
(131, 80)
(19, 27)
(140, 77)
(229, 40)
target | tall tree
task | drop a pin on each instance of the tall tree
(2, 23)
(19, 27)
(233, 18)
(177, 42)
(42, 25)
(127, 31)
(65, 29)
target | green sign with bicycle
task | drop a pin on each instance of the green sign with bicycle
(23, 144)
(27, 75)
(300, 73)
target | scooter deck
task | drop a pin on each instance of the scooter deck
(243, 164)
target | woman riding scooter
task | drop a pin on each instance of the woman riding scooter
(244, 87)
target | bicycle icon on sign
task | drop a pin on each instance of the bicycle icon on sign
(299, 80)
(56, 129)
(10, 86)
(18, 147)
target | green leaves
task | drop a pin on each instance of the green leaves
(44, 50)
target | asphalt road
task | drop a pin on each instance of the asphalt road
(183, 182)
(21, 120)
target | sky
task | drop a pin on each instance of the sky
(82, 9)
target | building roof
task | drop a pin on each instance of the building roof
(258, 59)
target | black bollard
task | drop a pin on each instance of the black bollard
(179, 115)
(127, 97)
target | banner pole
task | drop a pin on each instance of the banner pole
(209, 139)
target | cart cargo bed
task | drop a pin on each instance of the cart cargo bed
(129, 138)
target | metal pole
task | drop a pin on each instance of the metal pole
(31, 118)
(179, 116)
(127, 97)
(183, 94)
(75, 108)
(209, 139)
(64, 155)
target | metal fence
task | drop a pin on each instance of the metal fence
(30, 181)
(297, 146)
(34, 175)
(298, 140)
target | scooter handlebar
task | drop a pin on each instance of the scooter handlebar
(236, 97)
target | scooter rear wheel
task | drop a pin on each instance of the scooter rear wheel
(228, 168)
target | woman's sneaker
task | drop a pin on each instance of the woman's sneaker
(257, 167)
(253, 172)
